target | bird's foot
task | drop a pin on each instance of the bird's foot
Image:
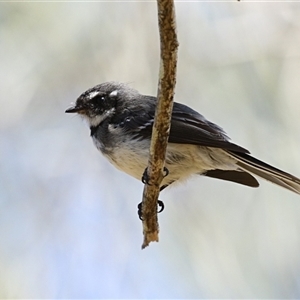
(160, 204)
(146, 179)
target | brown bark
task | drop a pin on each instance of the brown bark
(161, 127)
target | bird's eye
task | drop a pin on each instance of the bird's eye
(99, 100)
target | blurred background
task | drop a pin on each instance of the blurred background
(68, 219)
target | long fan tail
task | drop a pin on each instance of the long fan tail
(261, 169)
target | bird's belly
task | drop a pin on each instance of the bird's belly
(182, 160)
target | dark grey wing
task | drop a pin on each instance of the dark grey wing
(189, 127)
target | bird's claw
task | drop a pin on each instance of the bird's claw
(145, 177)
(161, 205)
(166, 172)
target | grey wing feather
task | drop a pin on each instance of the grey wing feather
(189, 127)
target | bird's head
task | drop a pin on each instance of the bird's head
(100, 102)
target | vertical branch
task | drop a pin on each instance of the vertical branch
(161, 126)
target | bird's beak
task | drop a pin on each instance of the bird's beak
(74, 109)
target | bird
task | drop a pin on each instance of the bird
(121, 120)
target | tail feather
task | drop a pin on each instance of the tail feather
(261, 169)
(240, 176)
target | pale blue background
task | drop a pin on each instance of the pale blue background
(68, 222)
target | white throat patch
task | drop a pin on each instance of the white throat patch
(95, 121)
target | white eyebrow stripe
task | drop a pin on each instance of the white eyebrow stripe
(113, 93)
(92, 95)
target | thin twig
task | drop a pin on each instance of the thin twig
(161, 127)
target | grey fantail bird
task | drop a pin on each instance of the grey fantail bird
(121, 120)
